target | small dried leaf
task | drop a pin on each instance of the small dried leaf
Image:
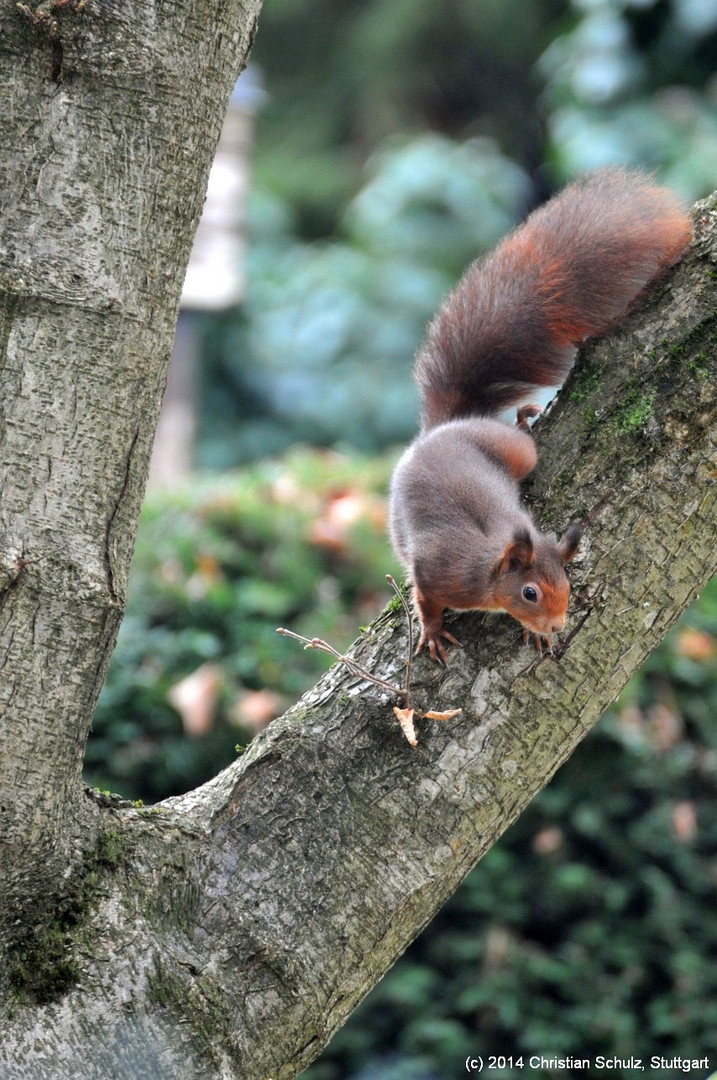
(442, 715)
(405, 719)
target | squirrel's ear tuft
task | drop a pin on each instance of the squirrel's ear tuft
(568, 543)
(517, 555)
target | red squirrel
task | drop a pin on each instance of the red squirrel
(513, 323)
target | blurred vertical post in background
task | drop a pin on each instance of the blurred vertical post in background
(214, 282)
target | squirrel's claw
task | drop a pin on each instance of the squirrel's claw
(539, 641)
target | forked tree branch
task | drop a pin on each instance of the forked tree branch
(237, 927)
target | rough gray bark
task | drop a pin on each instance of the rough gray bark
(110, 113)
(230, 932)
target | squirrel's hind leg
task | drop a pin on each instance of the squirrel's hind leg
(513, 447)
(526, 413)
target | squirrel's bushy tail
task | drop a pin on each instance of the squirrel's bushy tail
(569, 272)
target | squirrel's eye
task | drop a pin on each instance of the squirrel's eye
(530, 594)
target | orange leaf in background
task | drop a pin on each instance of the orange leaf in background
(208, 571)
(257, 708)
(666, 727)
(208, 566)
(548, 840)
(332, 529)
(695, 644)
(195, 699)
(287, 491)
(684, 821)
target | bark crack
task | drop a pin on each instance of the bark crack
(108, 557)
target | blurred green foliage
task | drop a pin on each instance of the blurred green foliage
(591, 927)
(344, 76)
(571, 82)
(218, 566)
(633, 82)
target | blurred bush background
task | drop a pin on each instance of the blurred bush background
(397, 142)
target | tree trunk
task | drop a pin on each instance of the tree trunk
(228, 933)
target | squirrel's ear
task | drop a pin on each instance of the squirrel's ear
(517, 555)
(568, 543)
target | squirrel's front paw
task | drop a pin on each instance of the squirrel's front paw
(431, 637)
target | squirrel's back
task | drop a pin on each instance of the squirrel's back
(569, 272)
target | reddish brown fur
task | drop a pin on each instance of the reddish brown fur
(569, 272)
(515, 449)
(512, 324)
(555, 600)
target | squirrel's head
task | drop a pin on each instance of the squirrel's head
(530, 581)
